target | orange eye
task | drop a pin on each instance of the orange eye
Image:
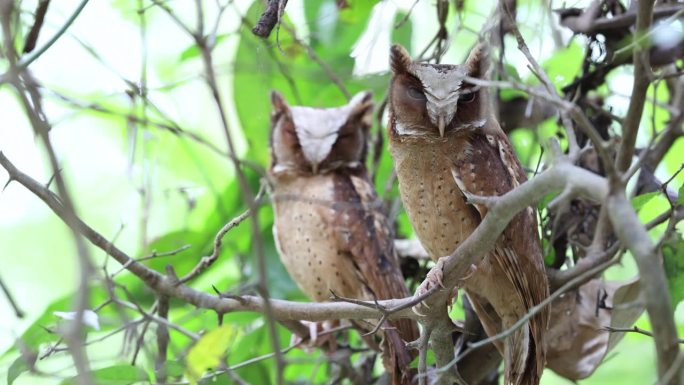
(415, 93)
(466, 97)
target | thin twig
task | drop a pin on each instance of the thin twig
(39, 18)
(634, 329)
(27, 60)
(207, 261)
(17, 311)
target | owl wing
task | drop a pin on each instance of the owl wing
(361, 229)
(363, 232)
(489, 167)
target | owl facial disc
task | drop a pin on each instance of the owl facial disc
(442, 85)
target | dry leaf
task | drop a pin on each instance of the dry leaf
(576, 340)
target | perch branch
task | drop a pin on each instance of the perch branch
(548, 181)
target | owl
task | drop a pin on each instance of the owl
(330, 229)
(445, 143)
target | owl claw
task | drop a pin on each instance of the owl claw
(433, 278)
(314, 341)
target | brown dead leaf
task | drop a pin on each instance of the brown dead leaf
(576, 340)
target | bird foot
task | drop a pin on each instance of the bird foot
(471, 272)
(315, 339)
(434, 278)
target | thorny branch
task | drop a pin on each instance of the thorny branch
(553, 179)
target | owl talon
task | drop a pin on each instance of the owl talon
(434, 278)
(315, 329)
(471, 272)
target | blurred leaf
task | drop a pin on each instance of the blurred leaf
(673, 261)
(88, 318)
(208, 351)
(546, 200)
(37, 334)
(403, 34)
(430, 359)
(512, 71)
(524, 143)
(549, 258)
(174, 368)
(194, 51)
(680, 196)
(507, 94)
(115, 375)
(17, 367)
(565, 64)
(639, 201)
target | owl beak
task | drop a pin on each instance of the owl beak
(441, 124)
(314, 168)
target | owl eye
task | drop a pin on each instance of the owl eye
(466, 97)
(415, 93)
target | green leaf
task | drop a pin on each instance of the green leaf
(174, 368)
(549, 258)
(18, 367)
(544, 202)
(39, 332)
(565, 64)
(208, 351)
(680, 197)
(430, 359)
(194, 51)
(673, 262)
(115, 375)
(639, 201)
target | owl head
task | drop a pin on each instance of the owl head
(435, 100)
(319, 140)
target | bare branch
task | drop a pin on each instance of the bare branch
(270, 17)
(27, 60)
(456, 266)
(633, 235)
(642, 79)
(17, 311)
(634, 329)
(39, 18)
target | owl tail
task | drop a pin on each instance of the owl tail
(523, 356)
(395, 356)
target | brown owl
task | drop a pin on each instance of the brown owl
(330, 230)
(445, 143)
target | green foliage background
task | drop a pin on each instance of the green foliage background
(193, 189)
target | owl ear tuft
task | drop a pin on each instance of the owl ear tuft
(477, 63)
(400, 59)
(361, 108)
(278, 102)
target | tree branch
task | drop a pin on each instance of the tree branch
(633, 235)
(642, 79)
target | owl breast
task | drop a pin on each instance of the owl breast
(306, 238)
(435, 205)
(440, 215)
